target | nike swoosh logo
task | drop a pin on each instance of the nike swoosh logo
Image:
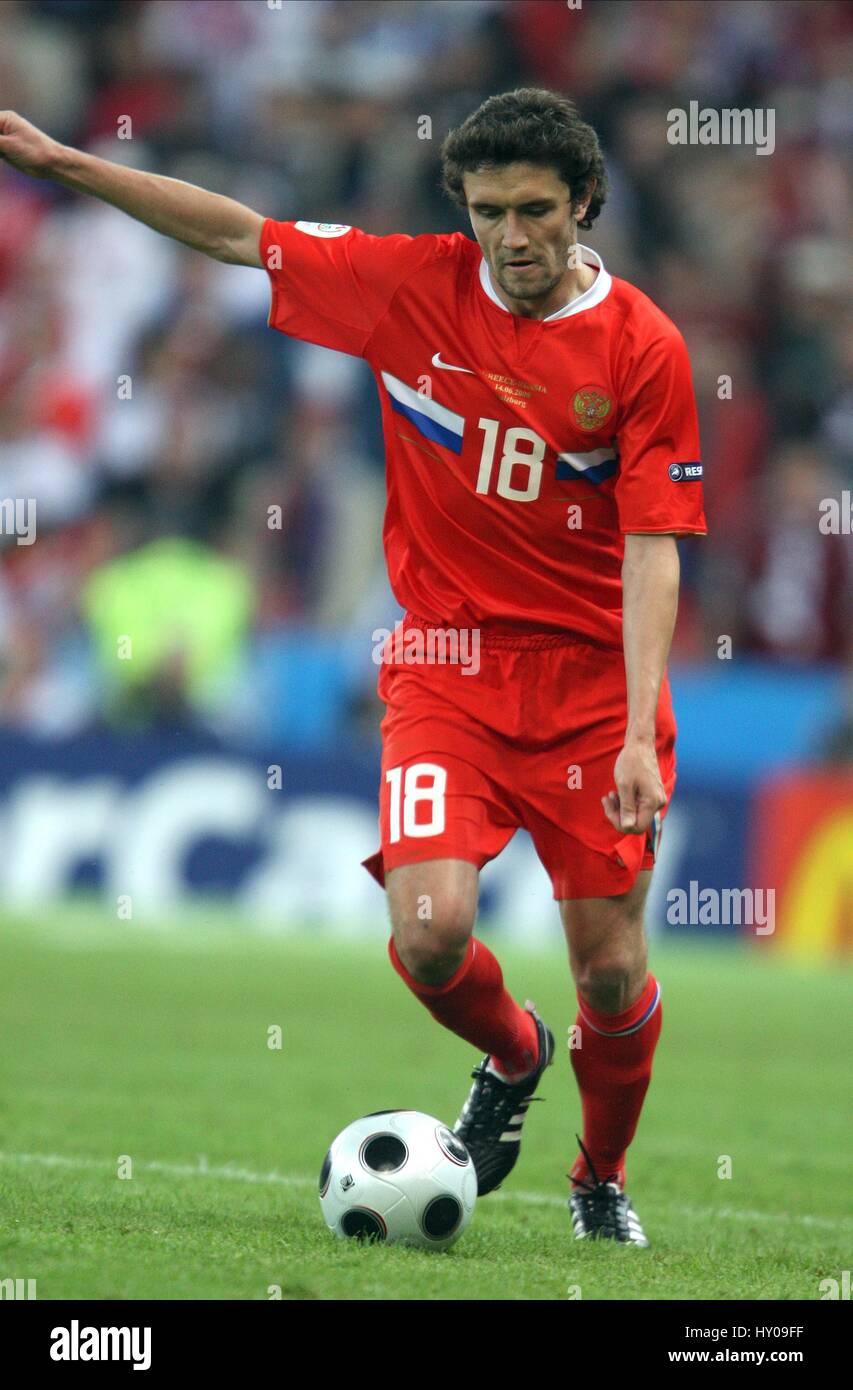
(448, 367)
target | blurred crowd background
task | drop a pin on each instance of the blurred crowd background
(156, 420)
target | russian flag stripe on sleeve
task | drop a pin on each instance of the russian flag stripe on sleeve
(593, 467)
(432, 420)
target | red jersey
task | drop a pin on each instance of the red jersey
(518, 451)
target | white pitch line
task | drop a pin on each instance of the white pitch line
(202, 1169)
(231, 1173)
(723, 1213)
(542, 1199)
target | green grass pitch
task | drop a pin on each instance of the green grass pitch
(132, 1040)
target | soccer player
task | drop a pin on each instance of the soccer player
(542, 457)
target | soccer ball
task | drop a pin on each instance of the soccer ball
(400, 1177)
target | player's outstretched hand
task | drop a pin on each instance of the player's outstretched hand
(639, 790)
(26, 147)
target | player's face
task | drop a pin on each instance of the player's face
(522, 217)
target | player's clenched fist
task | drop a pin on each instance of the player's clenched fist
(639, 790)
(25, 146)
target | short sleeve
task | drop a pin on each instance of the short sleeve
(659, 484)
(332, 284)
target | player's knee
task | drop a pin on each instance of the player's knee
(432, 967)
(433, 947)
(607, 982)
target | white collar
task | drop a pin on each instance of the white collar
(598, 290)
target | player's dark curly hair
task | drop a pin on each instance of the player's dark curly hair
(533, 126)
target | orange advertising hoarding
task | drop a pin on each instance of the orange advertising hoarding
(802, 846)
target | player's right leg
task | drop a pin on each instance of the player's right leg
(444, 812)
(433, 906)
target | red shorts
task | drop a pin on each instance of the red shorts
(528, 740)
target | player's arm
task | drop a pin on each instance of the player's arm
(650, 576)
(209, 222)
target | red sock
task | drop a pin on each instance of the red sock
(613, 1067)
(475, 1006)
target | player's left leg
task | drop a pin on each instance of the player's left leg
(616, 1033)
(600, 878)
